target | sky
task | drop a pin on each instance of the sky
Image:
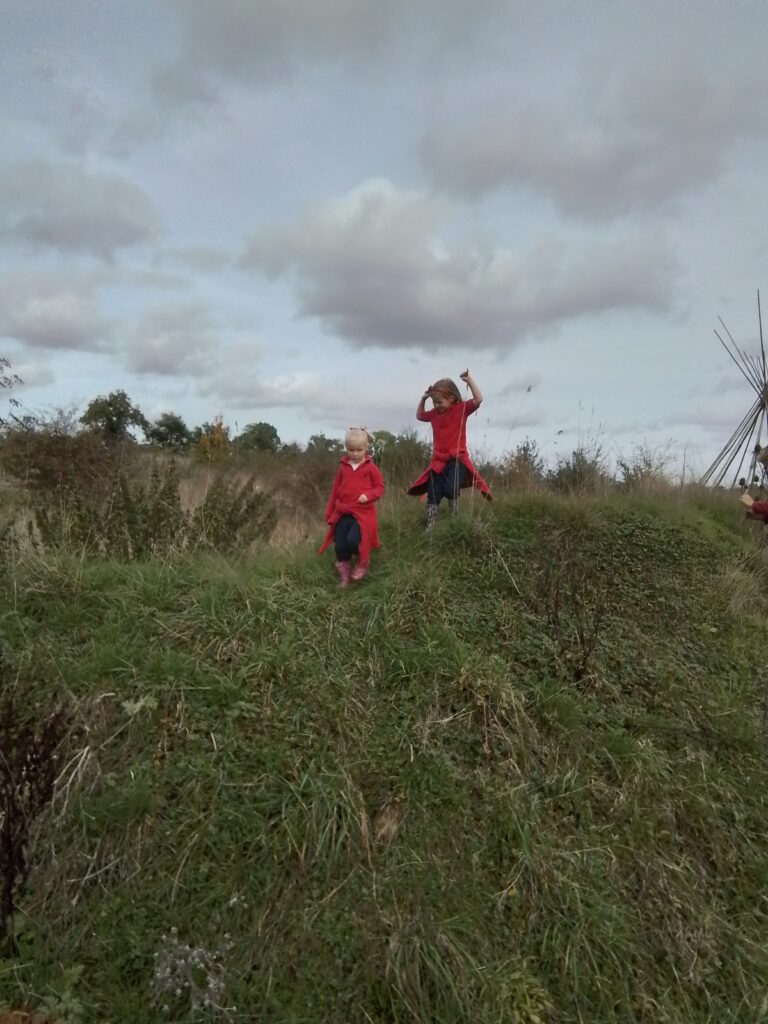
(305, 211)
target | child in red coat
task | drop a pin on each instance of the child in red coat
(351, 509)
(755, 509)
(450, 468)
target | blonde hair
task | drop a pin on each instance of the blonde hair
(359, 435)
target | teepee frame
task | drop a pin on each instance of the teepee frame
(747, 438)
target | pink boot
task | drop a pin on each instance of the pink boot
(359, 571)
(343, 568)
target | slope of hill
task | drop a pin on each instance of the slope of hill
(517, 776)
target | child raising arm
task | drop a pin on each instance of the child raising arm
(450, 469)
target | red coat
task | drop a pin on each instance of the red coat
(758, 510)
(348, 485)
(449, 441)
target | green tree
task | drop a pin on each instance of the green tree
(319, 444)
(383, 446)
(169, 431)
(258, 437)
(112, 416)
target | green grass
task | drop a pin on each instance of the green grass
(516, 777)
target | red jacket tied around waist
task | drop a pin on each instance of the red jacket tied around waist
(449, 441)
(348, 485)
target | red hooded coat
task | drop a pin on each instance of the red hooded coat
(759, 510)
(348, 485)
(449, 441)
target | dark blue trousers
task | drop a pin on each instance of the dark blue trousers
(346, 538)
(447, 484)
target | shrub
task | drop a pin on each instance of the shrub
(645, 469)
(584, 471)
(137, 521)
(45, 455)
(523, 468)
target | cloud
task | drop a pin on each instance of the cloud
(64, 207)
(723, 386)
(173, 340)
(713, 418)
(195, 259)
(511, 420)
(374, 268)
(253, 45)
(616, 152)
(34, 375)
(520, 385)
(330, 403)
(246, 42)
(53, 311)
(250, 390)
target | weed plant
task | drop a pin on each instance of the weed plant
(139, 521)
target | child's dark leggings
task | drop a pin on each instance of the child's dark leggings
(346, 538)
(446, 484)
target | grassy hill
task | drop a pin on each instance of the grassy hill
(517, 776)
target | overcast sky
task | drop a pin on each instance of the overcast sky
(305, 211)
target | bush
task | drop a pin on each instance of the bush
(584, 471)
(645, 469)
(523, 468)
(44, 456)
(138, 521)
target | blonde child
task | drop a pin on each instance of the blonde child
(450, 468)
(351, 509)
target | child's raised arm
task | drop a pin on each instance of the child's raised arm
(477, 394)
(420, 411)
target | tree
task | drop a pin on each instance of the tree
(211, 442)
(169, 431)
(319, 444)
(8, 380)
(258, 437)
(383, 446)
(399, 456)
(111, 416)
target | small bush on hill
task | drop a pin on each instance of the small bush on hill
(136, 521)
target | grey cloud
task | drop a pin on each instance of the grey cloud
(521, 385)
(173, 340)
(53, 311)
(330, 403)
(373, 269)
(250, 390)
(252, 43)
(249, 42)
(510, 420)
(713, 418)
(67, 208)
(723, 386)
(617, 154)
(205, 259)
(34, 375)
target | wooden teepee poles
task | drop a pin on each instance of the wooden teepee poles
(746, 438)
(735, 444)
(763, 396)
